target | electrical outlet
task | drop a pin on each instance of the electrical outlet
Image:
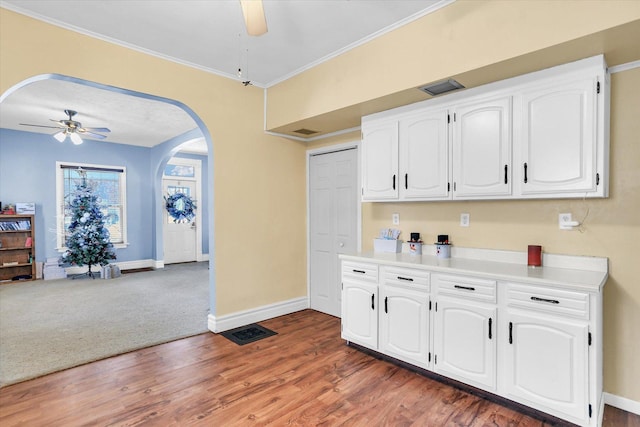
(464, 220)
(566, 222)
(395, 219)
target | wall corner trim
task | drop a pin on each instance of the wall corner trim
(241, 318)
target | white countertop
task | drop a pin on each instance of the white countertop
(582, 273)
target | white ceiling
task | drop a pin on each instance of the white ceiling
(211, 35)
(132, 120)
(208, 35)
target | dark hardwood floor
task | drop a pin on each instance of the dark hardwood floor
(303, 376)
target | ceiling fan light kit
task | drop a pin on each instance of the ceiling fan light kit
(254, 19)
(75, 138)
(72, 129)
(60, 136)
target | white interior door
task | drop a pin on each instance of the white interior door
(333, 224)
(179, 238)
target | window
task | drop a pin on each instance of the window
(108, 183)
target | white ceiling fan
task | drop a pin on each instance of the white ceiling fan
(254, 19)
(72, 129)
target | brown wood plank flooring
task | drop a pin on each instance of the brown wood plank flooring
(303, 376)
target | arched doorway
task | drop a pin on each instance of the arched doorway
(156, 157)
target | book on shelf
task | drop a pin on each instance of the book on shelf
(15, 225)
(28, 242)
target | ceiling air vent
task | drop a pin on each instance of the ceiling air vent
(304, 131)
(439, 88)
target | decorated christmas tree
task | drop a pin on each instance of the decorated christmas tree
(87, 239)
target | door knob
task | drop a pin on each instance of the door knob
(342, 244)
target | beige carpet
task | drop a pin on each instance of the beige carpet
(47, 326)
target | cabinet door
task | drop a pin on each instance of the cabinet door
(482, 149)
(404, 325)
(559, 138)
(465, 342)
(424, 156)
(546, 363)
(380, 179)
(360, 313)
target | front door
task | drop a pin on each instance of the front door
(179, 237)
(333, 224)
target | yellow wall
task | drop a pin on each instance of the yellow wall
(464, 36)
(259, 179)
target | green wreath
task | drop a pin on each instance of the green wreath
(181, 207)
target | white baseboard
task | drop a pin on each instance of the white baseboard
(622, 403)
(124, 265)
(241, 318)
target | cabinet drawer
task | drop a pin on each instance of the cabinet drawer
(467, 287)
(360, 271)
(407, 278)
(556, 301)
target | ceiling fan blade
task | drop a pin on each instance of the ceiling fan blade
(97, 129)
(91, 134)
(41, 126)
(254, 18)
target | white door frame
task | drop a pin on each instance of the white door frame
(326, 150)
(197, 165)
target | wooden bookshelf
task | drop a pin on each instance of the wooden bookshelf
(18, 249)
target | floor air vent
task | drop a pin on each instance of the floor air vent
(248, 334)
(439, 88)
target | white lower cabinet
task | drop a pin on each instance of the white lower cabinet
(360, 304)
(465, 342)
(404, 315)
(529, 340)
(546, 350)
(360, 314)
(546, 364)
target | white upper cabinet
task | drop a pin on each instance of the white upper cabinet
(424, 156)
(559, 138)
(482, 149)
(539, 135)
(380, 161)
